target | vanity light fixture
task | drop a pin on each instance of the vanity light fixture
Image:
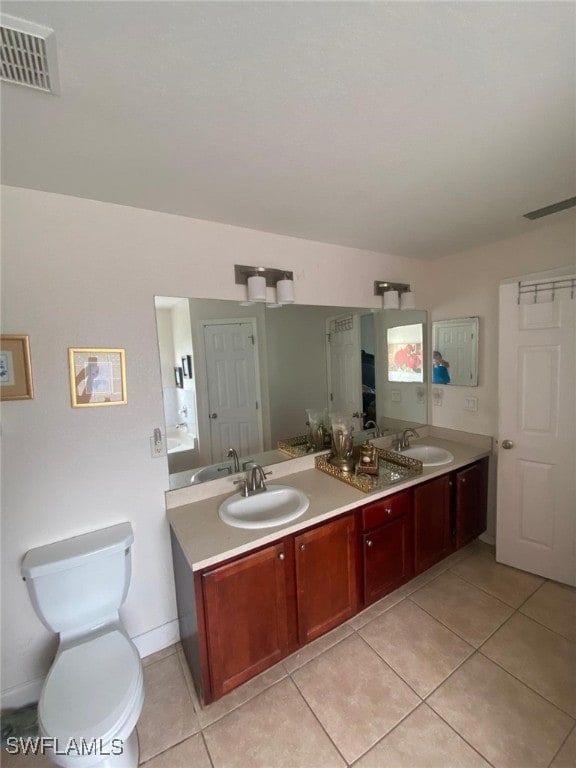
(257, 279)
(394, 295)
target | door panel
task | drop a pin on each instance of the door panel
(536, 528)
(345, 366)
(233, 389)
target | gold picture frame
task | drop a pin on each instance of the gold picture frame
(97, 376)
(15, 368)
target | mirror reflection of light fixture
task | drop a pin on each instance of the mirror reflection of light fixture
(394, 295)
(257, 279)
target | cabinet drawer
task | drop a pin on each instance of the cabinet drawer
(385, 510)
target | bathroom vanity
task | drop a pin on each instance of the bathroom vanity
(248, 598)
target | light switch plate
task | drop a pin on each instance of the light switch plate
(396, 396)
(157, 446)
(470, 403)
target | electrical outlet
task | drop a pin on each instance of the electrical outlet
(157, 446)
(437, 396)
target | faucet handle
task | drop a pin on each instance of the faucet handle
(243, 483)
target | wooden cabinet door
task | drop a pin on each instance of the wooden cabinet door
(471, 502)
(326, 579)
(246, 617)
(388, 557)
(432, 529)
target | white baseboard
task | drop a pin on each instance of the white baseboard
(158, 638)
(22, 695)
(148, 642)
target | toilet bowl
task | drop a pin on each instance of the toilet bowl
(93, 694)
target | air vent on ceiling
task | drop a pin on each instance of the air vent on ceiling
(549, 209)
(28, 54)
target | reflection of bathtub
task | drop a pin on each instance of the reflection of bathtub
(179, 440)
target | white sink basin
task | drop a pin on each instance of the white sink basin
(429, 455)
(278, 505)
(211, 472)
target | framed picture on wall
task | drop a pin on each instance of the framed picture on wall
(178, 376)
(97, 377)
(187, 366)
(15, 368)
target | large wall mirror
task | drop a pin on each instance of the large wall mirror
(455, 352)
(243, 377)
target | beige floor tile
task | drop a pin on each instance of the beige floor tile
(377, 608)
(462, 607)
(162, 654)
(212, 712)
(509, 724)
(566, 757)
(507, 584)
(310, 651)
(423, 740)
(420, 649)
(355, 695)
(191, 752)
(539, 657)
(424, 578)
(274, 730)
(554, 605)
(20, 760)
(168, 716)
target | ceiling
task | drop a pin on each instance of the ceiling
(416, 129)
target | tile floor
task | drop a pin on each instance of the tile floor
(472, 664)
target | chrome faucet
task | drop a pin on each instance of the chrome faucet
(254, 482)
(257, 481)
(372, 423)
(404, 441)
(234, 456)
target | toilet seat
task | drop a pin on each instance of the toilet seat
(93, 690)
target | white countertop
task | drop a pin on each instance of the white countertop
(206, 540)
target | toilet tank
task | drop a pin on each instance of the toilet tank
(80, 583)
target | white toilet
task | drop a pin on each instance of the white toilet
(94, 692)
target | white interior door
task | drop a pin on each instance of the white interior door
(536, 520)
(345, 366)
(233, 389)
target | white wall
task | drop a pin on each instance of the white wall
(79, 273)
(466, 285)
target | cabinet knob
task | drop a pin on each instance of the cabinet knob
(302, 547)
(388, 510)
(463, 479)
(281, 556)
(368, 543)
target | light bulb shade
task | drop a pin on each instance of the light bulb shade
(256, 288)
(285, 291)
(407, 300)
(391, 300)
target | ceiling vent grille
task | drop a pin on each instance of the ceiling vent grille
(28, 54)
(550, 209)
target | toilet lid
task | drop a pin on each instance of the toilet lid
(91, 689)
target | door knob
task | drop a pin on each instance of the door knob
(507, 444)
(212, 415)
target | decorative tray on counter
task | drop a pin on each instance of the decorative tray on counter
(294, 446)
(392, 468)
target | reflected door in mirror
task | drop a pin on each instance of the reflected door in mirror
(233, 391)
(455, 352)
